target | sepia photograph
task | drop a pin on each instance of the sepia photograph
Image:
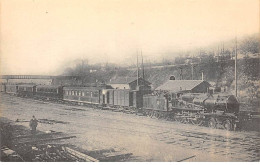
(129, 81)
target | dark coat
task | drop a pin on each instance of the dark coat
(33, 123)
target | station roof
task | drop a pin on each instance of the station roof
(181, 85)
(125, 80)
(48, 86)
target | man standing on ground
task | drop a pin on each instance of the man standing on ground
(33, 124)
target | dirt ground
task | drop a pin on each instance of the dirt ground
(148, 139)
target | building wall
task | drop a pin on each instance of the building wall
(142, 83)
(120, 86)
(201, 88)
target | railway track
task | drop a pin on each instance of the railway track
(18, 144)
(92, 122)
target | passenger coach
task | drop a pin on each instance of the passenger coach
(54, 92)
(26, 90)
(2, 87)
(87, 95)
(11, 89)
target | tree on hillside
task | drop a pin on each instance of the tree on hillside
(249, 45)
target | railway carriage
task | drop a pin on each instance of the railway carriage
(11, 89)
(126, 98)
(53, 92)
(2, 88)
(26, 90)
(108, 96)
(123, 97)
(138, 97)
(87, 95)
(157, 105)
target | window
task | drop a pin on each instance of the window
(83, 93)
(95, 94)
(79, 93)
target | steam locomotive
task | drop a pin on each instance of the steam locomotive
(213, 110)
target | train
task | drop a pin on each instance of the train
(99, 94)
(216, 110)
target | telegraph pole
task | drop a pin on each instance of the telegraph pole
(192, 69)
(218, 54)
(181, 74)
(142, 63)
(236, 68)
(137, 71)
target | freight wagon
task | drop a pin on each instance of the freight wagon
(157, 105)
(126, 98)
(123, 98)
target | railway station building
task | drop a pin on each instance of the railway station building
(130, 83)
(184, 86)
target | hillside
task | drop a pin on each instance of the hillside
(216, 62)
(219, 73)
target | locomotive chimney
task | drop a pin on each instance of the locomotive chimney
(172, 77)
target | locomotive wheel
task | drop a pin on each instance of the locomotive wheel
(156, 114)
(184, 120)
(147, 113)
(197, 122)
(228, 125)
(162, 116)
(165, 116)
(151, 114)
(177, 118)
(212, 123)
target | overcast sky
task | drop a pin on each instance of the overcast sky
(39, 36)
